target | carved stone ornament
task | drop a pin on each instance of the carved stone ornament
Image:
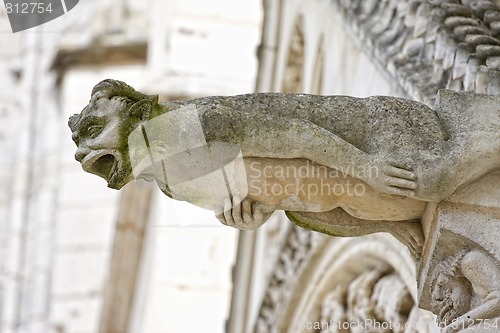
(342, 286)
(460, 268)
(425, 46)
(340, 165)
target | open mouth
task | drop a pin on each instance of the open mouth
(107, 164)
(104, 166)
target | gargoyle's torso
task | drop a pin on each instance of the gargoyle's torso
(300, 185)
(293, 185)
(262, 125)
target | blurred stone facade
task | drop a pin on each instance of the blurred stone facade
(79, 257)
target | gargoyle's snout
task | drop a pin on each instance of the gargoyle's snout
(101, 163)
(72, 123)
(105, 163)
(75, 138)
(80, 154)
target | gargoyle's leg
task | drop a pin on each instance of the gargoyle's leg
(338, 223)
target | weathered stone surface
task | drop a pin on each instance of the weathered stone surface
(342, 285)
(441, 44)
(459, 38)
(246, 156)
(460, 271)
(378, 158)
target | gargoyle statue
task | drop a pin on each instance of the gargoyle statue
(380, 159)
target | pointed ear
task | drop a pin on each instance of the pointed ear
(141, 109)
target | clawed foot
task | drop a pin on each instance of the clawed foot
(396, 179)
(246, 215)
(410, 234)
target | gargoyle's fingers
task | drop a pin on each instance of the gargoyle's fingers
(401, 183)
(228, 211)
(400, 191)
(400, 165)
(221, 218)
(237, 211)
(258, 211)
(401, 173)
(246, 210)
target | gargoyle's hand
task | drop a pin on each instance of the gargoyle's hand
(396, 179)
(246, 215)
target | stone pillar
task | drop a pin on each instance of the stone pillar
(460, 269)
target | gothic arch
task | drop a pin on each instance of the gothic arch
(323, 280)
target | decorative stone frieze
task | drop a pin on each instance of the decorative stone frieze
(429, 45)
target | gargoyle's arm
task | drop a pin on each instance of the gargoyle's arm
(482, 315)
(484, 275)
(275, 137)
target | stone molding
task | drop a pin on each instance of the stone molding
(430, 45)
(111, 35)
(293, 80)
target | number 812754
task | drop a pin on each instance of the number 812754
(28, 8)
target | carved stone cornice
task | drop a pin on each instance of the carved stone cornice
(430, 45)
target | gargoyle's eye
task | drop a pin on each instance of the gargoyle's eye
(94, 130)
(121, 99)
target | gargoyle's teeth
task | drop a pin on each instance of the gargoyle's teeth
(113, 169)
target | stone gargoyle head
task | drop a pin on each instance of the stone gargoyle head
(101, 130)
